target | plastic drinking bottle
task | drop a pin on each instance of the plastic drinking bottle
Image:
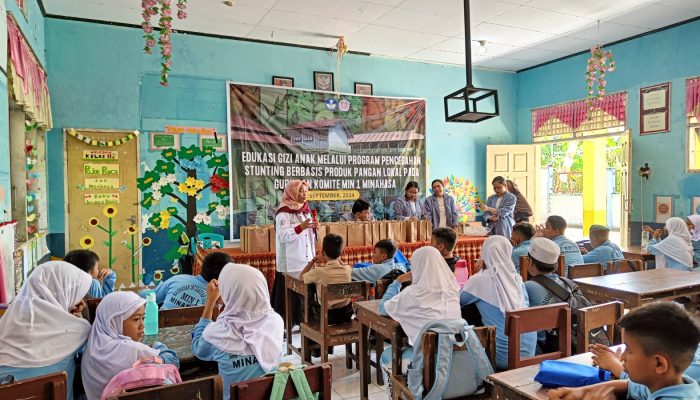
(151, 322)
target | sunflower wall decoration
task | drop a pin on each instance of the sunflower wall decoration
(132, 231)
(181, 177)
(110, 211)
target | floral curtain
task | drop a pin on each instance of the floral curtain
(27, 79)
(692, 97)
(575, 113)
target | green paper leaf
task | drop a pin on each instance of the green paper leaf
(106, 243)
(147, 201)
(173, 254)
(147, 180)
(175, 232)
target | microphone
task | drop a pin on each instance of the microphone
(314, 217)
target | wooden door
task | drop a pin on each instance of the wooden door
(625, 189)
(519, 163)
(102, 209)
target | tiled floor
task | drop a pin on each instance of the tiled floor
(346, 382)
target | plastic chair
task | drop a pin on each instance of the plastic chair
(461, 273)
(207, 241)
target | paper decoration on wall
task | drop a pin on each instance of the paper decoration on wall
(110, 212)
(102, 143)
(100, 155)
(195, 130)
(663, 208)
(217, 142)
(164, 140)
(465, 194)
(132, 231)
(100, 169)
(101, 183)
(101, 198)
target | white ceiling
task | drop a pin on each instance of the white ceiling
(519, 33)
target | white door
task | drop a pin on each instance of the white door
(626, 146)
(519, 163)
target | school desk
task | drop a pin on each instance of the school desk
(367, 313)
(518, 384)
(641, 287)
(179, 339)
(467, 248)
(294, 285)
(636, 253)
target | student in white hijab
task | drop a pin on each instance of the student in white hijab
(676, 250)
(42, 330)
(246, 339)
(495, 289)
(432, 296)
(115, 342)
(693, 223)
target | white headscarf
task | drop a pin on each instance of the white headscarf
(676, 245)
(38, 329)
(108, 350)
(432, 296)
(248, 325)
(497, 284)
(695, 219)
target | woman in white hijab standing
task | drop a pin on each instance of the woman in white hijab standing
(693, 223)
(43, 329)
(495, 289)
(115, 342)
(246, 339)
(676, 250)
(432, 296)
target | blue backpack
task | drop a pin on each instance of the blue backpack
(457, 374)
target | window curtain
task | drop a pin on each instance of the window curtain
(692, 97)
(27, 79)
(575, 113)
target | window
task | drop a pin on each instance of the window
(693, 145)
(296, 137)
(308, 136)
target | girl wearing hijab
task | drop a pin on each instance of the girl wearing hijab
(42, 330)
(676, 250)
(495, 289)
(693, 223)
(295, 241)
(115, 342)
(432, 296)
(246, 339)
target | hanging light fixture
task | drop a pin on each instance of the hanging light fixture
(478, 104)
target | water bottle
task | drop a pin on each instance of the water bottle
(645, 240)
(151, 315)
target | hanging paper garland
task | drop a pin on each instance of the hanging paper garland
(150, 9)
(601, 61)
(102, 143)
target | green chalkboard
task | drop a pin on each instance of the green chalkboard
(207, 142)
(163, 140)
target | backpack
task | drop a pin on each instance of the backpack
(573, 296)
(458, 373)
(146, 372)
(279, 384)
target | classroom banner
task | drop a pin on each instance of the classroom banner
(345, 146)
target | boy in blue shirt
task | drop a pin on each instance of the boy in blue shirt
(604, 251)
(520, 238)
(190, 291)
(382, 263)
(103, 280)
(444, 239)
(660, 342)
(554, 230)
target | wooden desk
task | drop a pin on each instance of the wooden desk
(367, 313)
(293, 284)
(636, 253)
(520, 383)
(637, 288)
(179, 339)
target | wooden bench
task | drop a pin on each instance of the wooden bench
(585, 270)
(208, 388)
(487, 337)
(318, 376)
(533, 319)
(622, 266)
(598, 316)
(45, 387)
(525, 263)
(166, 318)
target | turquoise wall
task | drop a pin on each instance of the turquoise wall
(667, 56)
(120, 90)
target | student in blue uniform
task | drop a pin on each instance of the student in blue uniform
(521, 236)
(499, 209)
(693, 223)
(43, 329)
(660, 342)
(445, 239)
(554, 230)
(246, 339)
(115, 342)
(676, 250)
(103, 280)
(382, 263)
(604, 251)
(495, 289)
(361, 211)
(187, 290)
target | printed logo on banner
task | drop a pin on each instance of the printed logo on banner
(331, 104)
(344, 105)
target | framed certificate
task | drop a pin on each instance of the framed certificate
(654, 108)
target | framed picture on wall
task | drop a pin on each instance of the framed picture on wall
(218, 142)
(363, 88)
(283, 81)
(654, 107)
(162, 141)
(323, 81)
(663, 208)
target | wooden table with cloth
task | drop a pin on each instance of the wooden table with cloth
(467, 248)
